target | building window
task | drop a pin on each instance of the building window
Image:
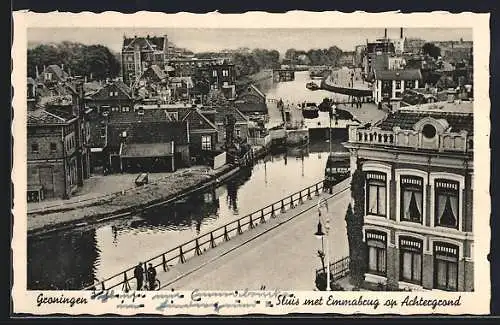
(410, 260)
(377, 252)
(411, 198)
(111, 94)
(125, 109)
(445, 266)
(34, 147)
(446, 211)
(53, 147)
(206, 142)
(103, 132)
(225, 73)
(409, 84)
(376, 193)
(398, 84)
(214, 73)
(115, 109)
(237, 132)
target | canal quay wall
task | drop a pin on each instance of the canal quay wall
(131, 202)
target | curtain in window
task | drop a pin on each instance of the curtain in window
(372, 263)
(381, 260)
(441, 273)
(452, 276)
(381, 201)
(417, 267)
(412, 205)
(407, 265)
(447, 210)
(372, 196)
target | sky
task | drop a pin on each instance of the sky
(215, 39)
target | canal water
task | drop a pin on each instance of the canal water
(296, 92)
(77, 258)
(74, 259)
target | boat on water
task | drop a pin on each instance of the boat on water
(312, 85)
(310, 110)
(337, 168)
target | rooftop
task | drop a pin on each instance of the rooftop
(41, 117)
(406, 74)
(144, 43)
(458, 115)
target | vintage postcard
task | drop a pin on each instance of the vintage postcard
(256, 163)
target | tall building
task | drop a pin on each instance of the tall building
(58, 154)
(139, 53)
(418, 169)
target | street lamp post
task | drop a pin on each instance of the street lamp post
(323, 204)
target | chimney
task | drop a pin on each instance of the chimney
(401, 36)
(385, 33)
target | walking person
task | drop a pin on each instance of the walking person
(139, 276)
(151, 276)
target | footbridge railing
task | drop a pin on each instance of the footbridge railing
(202, 243)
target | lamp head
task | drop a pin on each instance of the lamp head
(319, 233)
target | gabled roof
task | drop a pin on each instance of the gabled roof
(42, 117)
(144, 43)
(158, 72)
(407, 74)
(257, 90)
(221, 112)
(200, 114)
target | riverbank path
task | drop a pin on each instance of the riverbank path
(280, 254)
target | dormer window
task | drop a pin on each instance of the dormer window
(429, 131)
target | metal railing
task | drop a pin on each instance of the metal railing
(338, 269)
(212, 239)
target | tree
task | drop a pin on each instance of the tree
(432, 50)
(94, 60)
(355, 220)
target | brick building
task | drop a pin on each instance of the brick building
(418, 168)
(114, 96)
(139, 53)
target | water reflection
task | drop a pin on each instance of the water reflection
(75, 259)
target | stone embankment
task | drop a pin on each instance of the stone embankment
(129, 202)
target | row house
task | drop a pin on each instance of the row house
(419, 180)
(186, 67)
(218, 116)
(389, 85)
(146, 130)
(220, 76)
(114, 96)
(251, 101)
(139, 53)
(57, 154)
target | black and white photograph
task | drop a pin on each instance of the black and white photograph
(292, 167)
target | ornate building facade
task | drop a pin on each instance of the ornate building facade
(418, 225)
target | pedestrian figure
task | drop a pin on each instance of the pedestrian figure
(151, 276)
(139, 275)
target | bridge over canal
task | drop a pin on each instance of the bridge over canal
(274, 247)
